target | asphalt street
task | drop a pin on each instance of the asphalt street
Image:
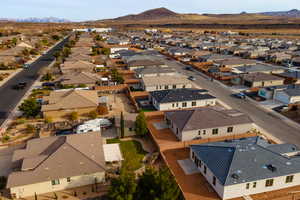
(9, 97)
(267, 120)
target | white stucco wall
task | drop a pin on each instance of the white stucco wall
(46, 187)
(178, 105)
(159, 87)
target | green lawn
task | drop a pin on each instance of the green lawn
(132, 152)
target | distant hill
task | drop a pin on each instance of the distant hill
(38, 20)
(150, 15)
(290, 13)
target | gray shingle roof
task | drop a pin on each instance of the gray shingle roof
(179, 95)
(207, 117)
(248, 159)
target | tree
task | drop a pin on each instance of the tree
(141, 125)
(122, 125)
(30, 129)
(123, 187)
(55, 37)
(73, 116)
(105, 51)
(93, 114)
(157, 185)
(116, 76)
(14, 41)
(30, 108)
(47, 77)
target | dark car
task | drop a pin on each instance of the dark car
(20, 86)
(64, 132)
(239, 95)
(188, 68)
(48, 84)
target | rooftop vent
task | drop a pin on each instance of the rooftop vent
(271, 167)
(235, 176)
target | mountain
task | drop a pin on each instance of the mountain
(38, 20)
(153, 14)
(290, 13)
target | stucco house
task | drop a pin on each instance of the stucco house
(57, 163)
(156, 83)
(77, 78)
(61, 103)
(288, 96)
(261, 80)
(154, 71)
(181, 99)
(77, 66)
(207, 122)
(247, 166)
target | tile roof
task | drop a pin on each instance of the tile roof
(46, 159)
(70, 99)
(165, 79)
(248, 159)
(207, 117)
(179, 95)
(258, 76)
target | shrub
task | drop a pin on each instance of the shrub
(73, 116)
(30, 108)
(93, 114)
(5, 138)
(30, 129)
(48, 120)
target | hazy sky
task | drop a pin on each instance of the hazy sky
(99, 9)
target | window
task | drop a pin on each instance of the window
(200, 164)
(215, 131)
(254, 185)
(160, 87)
(55, 182)
(177, 131)
(183, 86)
(205, 169)
(173, 105)
(269, 182)
(184, 104)
(204, 132)
(194, 103)
(166, 87)
(176, 104)
(247, 186)
(68, 179)
(174, 86)
(193, 155)
(214, 180)
(229, 129)
(199, 132)
(289, 179)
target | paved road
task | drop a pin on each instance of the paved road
(263, 118)
(9, 98)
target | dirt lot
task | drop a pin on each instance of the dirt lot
(119, 103)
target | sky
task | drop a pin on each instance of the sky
(80, 10)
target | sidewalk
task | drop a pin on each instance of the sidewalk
(12, 74)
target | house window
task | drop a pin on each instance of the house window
(269, 182)
(173, 105)
(229, 129)
(247, 186)
(205, 169)
(200, 164)
(183, 86)
(176, 104)
(254, 185)
(214, 180)
(157, 87)
(166, 87)
(160, 87)
(55, 182)
(215, 131)
(68, 179)
(174, 86)
(199, 132)
(194, 103)
(184, 104)
(204, 132)
(289, 179)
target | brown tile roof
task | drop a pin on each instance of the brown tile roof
(77, 65)
(46, 159)
(74, 78)
(70, 99)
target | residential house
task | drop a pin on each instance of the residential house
(138, 64)
(181, 99)
(291, 77)
(156, 83)
(207, 122)
(78, 78)
(288, 96)
(151, 71)
(247, 166)
(231, 63)
(77, 66)
(57, 163)
(261, 80)
(63, 102)
(263, 68)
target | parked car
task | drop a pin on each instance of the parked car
(20, 86)
(188, 68)
(191, 78)
(239, 95)
(48, 84)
